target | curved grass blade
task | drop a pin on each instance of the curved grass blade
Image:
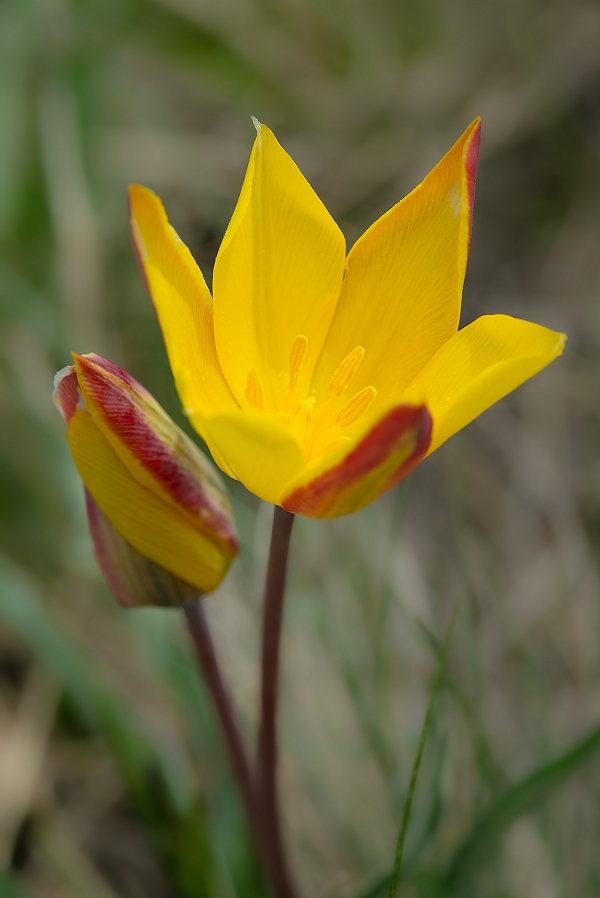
(518, 800)
(417, 763)
(175, 816)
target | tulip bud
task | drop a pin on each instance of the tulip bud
(159, 516)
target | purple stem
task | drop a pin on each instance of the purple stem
(267, 743)
(209, 665)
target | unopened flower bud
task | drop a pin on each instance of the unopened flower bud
(160, 518)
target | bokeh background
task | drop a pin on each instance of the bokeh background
(113, 778)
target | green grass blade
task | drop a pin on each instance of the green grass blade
(521, 798)
(174, 815)
(417, 763)
(11, 888)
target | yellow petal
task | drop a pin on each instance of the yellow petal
(277, 275)
(359, 471)
(402, 293)
(479, 365)
(157, 530)
(254, 448)
(134, 580)
(183, 304)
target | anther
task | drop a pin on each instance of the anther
(356, 407)
(345, 371)
(298, 354)
(332, 445)
(254, 391)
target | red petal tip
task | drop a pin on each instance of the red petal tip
(332, 493)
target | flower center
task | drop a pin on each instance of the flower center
(313, 426)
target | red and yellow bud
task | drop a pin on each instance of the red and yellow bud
(159, 515)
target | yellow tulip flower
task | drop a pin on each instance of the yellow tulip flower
(317, 379)
(159, 516)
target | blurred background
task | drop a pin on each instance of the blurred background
(113, 778)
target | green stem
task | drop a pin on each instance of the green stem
(417, 762)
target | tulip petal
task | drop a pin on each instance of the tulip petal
(155, 528)
(277, 275)
(157, 453)
(255, 448)
(66, 394)
(347, 481)
(183, 304)
(401, 296)
(134, 581)
(478, 366)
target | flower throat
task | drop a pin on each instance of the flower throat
(313, 426)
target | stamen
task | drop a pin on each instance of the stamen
(301, 425)
(254, 390)
(345, 371)
(285, 418)
(332, 445)
(356, 407)
(298, 354)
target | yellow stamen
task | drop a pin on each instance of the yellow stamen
(298, 354)
(332, 445)
(356, 407)
(254, 390)
(285, 418)
(301, 425)
(345, 371)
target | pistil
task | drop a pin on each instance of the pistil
(314, 428)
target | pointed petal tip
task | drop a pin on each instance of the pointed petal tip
(141, 202)
(65, 394)
(89, 363)
(473, 143)
(261, 130)
(560, 344)
(139, 192)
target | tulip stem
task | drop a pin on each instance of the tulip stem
(267, 741)
(258, 791)
(209, 665)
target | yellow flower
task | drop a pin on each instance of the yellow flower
(320, 380)
(159, 515)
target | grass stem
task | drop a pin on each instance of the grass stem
(417, 762)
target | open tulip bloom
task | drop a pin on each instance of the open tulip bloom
(319, 380)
